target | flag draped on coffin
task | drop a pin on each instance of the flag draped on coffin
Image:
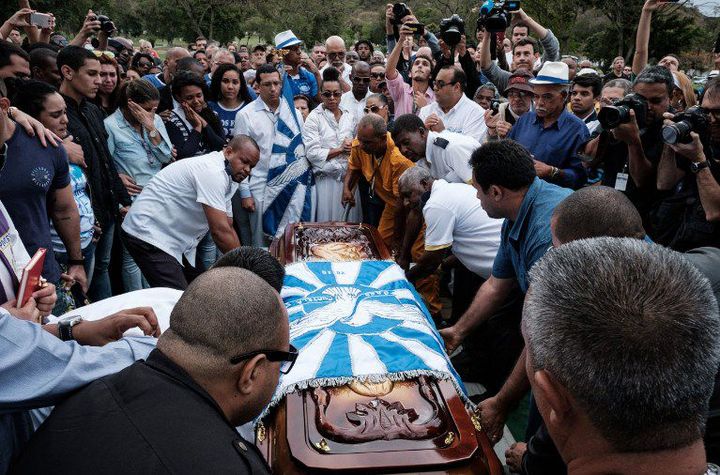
(358, 320)
(288, 193)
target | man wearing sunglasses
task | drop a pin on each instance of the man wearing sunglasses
(335, 53)
(177, 411)
(355, 99)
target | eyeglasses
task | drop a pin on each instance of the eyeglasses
(286, 358)
(439, 84)
(107, 54)
(363, 80)
(377, 75)
(374, 109)
(329, 94)
(517, 94)
(341, 54)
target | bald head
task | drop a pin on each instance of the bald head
(171, 58)
(595, 211)
(224, 312)
(335, 51)
(335, 42)
(361, 68)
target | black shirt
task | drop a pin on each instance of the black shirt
(149, 418)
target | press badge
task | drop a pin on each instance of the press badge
(621, 181)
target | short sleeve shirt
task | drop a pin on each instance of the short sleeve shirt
(30, 174)
(447, 156)
(169, 211)
(304, 83)
(385, 173)
(526, 239)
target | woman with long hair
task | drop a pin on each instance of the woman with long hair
(106, 98)
(43, 102)
(228, 94)
(328, 137)
(193, 127)
(140, 146)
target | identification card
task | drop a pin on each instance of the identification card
(621, 181)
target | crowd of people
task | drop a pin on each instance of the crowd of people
(572, 216)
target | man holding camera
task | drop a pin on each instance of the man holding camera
(520, 95)
(525, 51)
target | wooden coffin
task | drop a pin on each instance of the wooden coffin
(420, 425)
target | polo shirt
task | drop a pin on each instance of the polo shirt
(556, 145)
(525, 240)
(403, 96)
(466, 117)
(455, 218)
(169, 211)
(447, 156)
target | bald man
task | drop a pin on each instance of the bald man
(164, 78)
(355, 99)
(335, 52)
(177, 411)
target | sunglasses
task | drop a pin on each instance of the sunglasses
(286, 358)
(363, 80)
(329, 94)
(336, 55)
(518, 94)
(373, 109)
(107, 54)
(439, 84)
(377, 75)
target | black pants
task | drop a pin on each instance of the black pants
(159, 268)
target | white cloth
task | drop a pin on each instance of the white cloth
(161, 299)
(321, 133)
(509, 58)
(169, 212)
(344, 74)
(454, 217)
(354, 107)
(15, 253)
(451, 163)
(258, 121)
(466, 117)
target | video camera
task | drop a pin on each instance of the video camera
(612, 116)
(691, 120)
(451, 30)
(495, 16)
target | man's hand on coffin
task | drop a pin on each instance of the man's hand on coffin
(452, 338)
(493, 415)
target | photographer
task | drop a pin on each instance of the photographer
(393, 36)
(464, 58)
(690, 217)
(409, 99)
(520, 100)
(93, 26)
(525, 51)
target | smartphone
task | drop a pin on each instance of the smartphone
(417, 28)
(41, 20)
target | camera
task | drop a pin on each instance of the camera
(400, 11)
(106, 24)
(692, 120)
(612, 116)
(495, 106)
(451, 30)
(495, 16)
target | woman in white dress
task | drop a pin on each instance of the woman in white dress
(328, 137)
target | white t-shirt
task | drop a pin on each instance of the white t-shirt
(466, 117)
(344, 74)
(14, 251)
(454, 217)
(169, 212)
(447, 156)
(355, 108)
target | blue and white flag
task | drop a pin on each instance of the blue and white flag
(358, 321)
(288, 193)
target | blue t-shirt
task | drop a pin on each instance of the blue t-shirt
(87, 217)
(304, 83)
(525, 240)
(155, 79)
(32, 172)
(226, 116)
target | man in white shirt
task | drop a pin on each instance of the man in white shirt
(178, 207)
(335, 51)
(445, 154)
(453, 110)
(355, 99)
(455, 221)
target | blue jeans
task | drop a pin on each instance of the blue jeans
(100, 286)
(131, 276)
(207, 253)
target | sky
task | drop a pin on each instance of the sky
(707, 6)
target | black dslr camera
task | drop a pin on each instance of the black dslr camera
(106, 23)
(451, 30)
(495, 106)
(612, 116)
(692, 120)
(400, 11)
(495, 16)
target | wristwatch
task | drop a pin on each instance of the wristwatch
(695, 167)
(66, 325)
(153, 134)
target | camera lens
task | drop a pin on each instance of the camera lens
(677, 132)
(610, 117)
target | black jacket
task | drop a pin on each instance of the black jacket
(149, 418)
(85, 124)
